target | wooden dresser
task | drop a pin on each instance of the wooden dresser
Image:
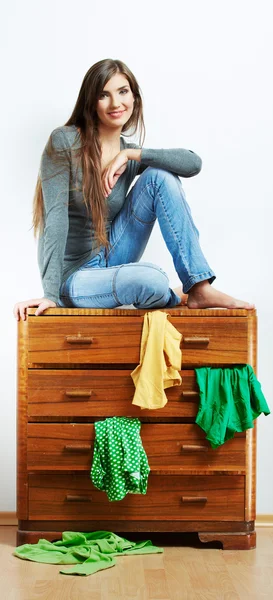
(73, 369)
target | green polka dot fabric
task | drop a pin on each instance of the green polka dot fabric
(120, 465)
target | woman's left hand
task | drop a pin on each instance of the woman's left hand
(112, 172)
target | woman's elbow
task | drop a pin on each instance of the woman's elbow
(196, 165)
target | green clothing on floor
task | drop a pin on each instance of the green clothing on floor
(230, 399)
(120, 465)
(95, 551)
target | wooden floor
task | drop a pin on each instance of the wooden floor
(182, 572)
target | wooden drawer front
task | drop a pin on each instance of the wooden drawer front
(170, 448)
(93, 340)
(84, 340)
(79, 393)
(73, 496)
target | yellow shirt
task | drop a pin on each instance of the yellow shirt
(160, 361)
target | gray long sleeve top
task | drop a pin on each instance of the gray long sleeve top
(68, 239)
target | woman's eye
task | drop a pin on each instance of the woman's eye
(105, 93)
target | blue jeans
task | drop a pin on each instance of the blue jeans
(119, 278)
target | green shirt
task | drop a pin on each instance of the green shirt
(230, 399)
(120, 464)
(68, 239)
(89, 552)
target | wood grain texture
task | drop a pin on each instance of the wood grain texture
(48, 394)
(116, 340)
(55, 529)
(117, 312)
(21, 424)
(225, 499)
(251, 434)
(169, 447)
(239, 541)
(74, 367)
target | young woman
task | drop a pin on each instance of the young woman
(92, 232)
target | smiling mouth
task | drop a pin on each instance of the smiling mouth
(118, 112)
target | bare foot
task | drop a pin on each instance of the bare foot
(184, 297)
(203, 295)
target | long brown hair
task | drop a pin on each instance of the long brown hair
(84, 117)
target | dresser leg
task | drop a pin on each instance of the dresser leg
(231, 541)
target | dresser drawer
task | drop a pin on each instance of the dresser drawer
(94, 393)
(171, 448)
(201, 498)
(116, 340)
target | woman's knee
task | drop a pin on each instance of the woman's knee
(157, 175)
(142, 284)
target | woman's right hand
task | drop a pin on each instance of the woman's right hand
(20, 308)
(113, 171)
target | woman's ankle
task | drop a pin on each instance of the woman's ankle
(203, 295)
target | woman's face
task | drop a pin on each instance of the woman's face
(116, 97)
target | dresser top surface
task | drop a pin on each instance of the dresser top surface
(132, 312)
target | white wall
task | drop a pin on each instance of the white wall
(205, 69)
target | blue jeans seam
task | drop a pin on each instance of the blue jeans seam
(141, 221)
(148, 185)
(173, 232)
(86, 297)
(134, 215)
(121, 234)
(114, 287)
(134, 264)
(194, 278)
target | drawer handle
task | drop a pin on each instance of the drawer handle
(77, 447)
(78, 339)
(193, 448)
(195, 499)
(71, 498)
(203, 341)
(190, 394)
(78, 393)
